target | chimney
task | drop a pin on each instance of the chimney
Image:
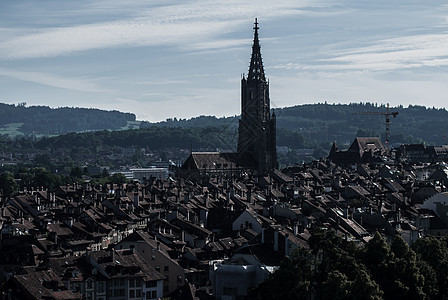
(112, 254)
(345, 210)
(286, 244)
(206, 199)
(136, 200)
(232, 191)
(182, 236)
(262, 235)
(394, 207)
(276, 240)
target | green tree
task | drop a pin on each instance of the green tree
(76, 172)
(42, 178)
(118, 178)
(434, 253)
(8, 185)
(363, 287)
(409, 282)
(292, 280)
(336, 286)
(330, 269)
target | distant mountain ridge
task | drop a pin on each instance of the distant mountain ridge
(22, 120)
(325, 123)
(297, 127)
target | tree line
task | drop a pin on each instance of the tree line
(325, 123)
(302, 125)
(43, 120)
(333, 268)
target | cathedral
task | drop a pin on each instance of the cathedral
(256, 131)
(256, 148)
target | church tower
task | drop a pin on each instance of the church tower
(256, 131)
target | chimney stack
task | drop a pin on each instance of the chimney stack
(276, 240)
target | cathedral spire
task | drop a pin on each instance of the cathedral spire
(256, 70)
(256, 130)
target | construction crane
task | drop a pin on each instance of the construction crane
(387, 113)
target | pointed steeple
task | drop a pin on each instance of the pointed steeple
(256, 130)
(256, 70)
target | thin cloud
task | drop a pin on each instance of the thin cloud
(63, 41)
(192, 24)
(164, 82)
(386, 55)
(77, 84)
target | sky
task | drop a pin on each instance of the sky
(162, 59)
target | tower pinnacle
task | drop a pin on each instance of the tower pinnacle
(256, 70)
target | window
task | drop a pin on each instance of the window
(138, 282)
(138, 293)
(131, 294)
(89, 284)
(119, 292)
(151, 295)
(100, 287)
(131, 283)
(179, 279)
(158, 268)
(165, 269)
(151, 284)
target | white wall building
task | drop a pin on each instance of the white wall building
(145, 173)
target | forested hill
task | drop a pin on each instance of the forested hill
(21, 120)
(342, 122)
(300, 126)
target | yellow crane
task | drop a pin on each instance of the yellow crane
(386, 113)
